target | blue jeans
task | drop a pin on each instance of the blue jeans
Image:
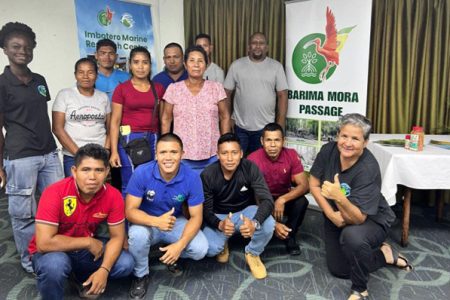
(127, 168)
(24, 175)
(199, 165)
(53, 268)
(250, 140)
(258, 242)
(68, 162)
(140, 238)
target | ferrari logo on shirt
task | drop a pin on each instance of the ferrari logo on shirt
(70, 204)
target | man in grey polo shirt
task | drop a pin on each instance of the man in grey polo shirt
(261, 92)
(213, 71)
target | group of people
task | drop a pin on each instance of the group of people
(197, 190)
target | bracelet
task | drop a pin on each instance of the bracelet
(102, 267)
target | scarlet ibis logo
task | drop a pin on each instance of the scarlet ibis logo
(316, 56)
(104, 17)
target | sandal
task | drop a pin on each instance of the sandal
(355, 295)
(396, 256)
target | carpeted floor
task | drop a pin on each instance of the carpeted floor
(300, 277)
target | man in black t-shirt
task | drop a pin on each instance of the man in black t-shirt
(29, 150)
(237, 199)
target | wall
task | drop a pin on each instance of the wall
(54, 23)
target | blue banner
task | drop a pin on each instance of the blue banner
(128, 24)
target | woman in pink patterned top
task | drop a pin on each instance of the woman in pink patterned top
(199, 111)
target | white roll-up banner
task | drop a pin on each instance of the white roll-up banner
(327, 62)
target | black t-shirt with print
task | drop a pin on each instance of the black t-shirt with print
(362, 182)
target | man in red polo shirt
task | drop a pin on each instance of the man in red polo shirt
(283, 172)
(68, 215)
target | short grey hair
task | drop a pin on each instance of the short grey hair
(356, 120)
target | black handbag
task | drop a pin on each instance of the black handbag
(139, 149)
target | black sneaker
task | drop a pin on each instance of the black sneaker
(292, 247)
(139, 287)
(175, 269)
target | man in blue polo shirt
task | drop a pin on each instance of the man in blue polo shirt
(108, 77)
(174, 70)
(155, 196)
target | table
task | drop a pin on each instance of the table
(428, 169)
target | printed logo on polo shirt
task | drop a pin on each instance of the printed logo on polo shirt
(100, 215)
(42, 90)
(179, 198)
(70, 204)
(345, 189)
(150, 195)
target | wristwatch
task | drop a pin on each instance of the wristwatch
(256, 224)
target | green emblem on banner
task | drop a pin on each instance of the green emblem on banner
(104, 17)
(127, 20)
(316, 56)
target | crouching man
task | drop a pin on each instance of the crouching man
(155, 195)
(283, 171)
(68, 214)
(237, 199)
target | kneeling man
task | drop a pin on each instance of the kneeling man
(68, 214)
(283, 172)
(155, 195)
(237, 200)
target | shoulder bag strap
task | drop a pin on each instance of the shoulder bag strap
(155, 96)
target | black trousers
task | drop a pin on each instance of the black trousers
(354, 251)
(295, 211)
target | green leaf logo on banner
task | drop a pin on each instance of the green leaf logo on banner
(104, 17)
(127, 20)
(316, 56)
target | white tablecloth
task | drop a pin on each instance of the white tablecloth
(428, 169)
